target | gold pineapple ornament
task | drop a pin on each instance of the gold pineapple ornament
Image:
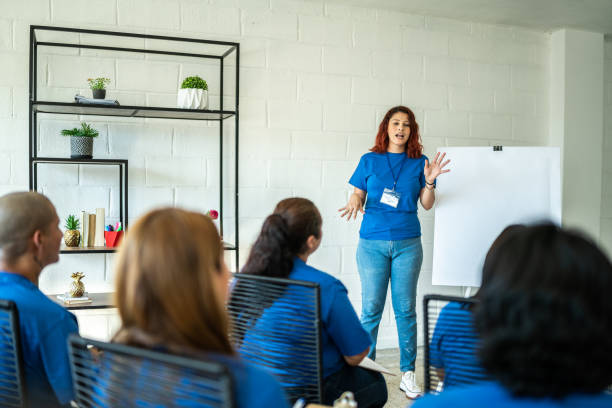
(77, 288)
(72, 236)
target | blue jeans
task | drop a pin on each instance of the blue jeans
(399, 261)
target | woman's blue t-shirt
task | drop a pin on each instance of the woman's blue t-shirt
(253, 386)
(491, 394)
(373, 175)
(341, 331)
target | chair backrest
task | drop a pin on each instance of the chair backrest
(116, 375)
(276, 324)
(451, 343)
(12, 386)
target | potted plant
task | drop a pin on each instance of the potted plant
(81, 141)
(98, 87)
(72, 235)
(193, 93)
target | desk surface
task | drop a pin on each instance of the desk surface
(98, 301)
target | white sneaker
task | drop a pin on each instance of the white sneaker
(409, 385)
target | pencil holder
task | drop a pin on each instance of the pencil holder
(113, 238)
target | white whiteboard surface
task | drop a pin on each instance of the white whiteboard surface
(484, 192)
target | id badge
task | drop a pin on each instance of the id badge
(390, 197)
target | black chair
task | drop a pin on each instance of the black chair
(12, 385)
(116, 375)
(276, 325)
(451, 343)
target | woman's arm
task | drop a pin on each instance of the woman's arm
(428, 196)
(431, 171)
(354, 205)
(356, 359)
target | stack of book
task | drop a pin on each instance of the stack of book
(92, 228)
(68, 300)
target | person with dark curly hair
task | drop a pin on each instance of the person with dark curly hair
(545, 324)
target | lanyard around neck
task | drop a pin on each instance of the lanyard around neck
(398, 173)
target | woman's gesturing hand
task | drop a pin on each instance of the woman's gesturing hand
(353, 207)
(433, 170)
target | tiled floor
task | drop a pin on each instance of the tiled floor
(390, 359)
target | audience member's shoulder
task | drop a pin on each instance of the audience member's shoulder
(311, 274)
(49, 316)
(493, 395)
(480, 395)
(253, 386)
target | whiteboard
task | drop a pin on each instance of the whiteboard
(484, 192)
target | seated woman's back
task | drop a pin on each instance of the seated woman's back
(171, 293)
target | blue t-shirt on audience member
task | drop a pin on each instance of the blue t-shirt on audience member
(45, 327)
(341, 332)
(253, 387)
(454, 345)
(373, 175)
(491, 394)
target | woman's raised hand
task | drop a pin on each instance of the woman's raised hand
(433, 170)
(353, 207)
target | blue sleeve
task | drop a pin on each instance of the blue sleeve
(360, 176)
(343, 325)
(54, 354)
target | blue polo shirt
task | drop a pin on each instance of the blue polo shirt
(45, 327)
(341, 333)
(491, 394)
(454, 346)
(373, 174)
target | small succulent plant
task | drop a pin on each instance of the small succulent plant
(84, 131)
(194, 82)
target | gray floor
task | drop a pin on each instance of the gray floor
(390, 359)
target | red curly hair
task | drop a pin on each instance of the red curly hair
(414, 148)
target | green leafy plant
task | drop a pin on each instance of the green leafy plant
(194, 82)
(84, 131)
(98, 83)
(72, 223)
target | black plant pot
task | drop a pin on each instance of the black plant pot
(99, 93)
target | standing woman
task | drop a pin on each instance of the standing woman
(389, 181)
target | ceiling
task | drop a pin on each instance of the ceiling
(541, 15)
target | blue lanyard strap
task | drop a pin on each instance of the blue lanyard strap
(392, 173)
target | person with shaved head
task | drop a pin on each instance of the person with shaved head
(30, 240)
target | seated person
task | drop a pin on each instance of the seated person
(287, 238)
(30, 240)
(455, 341)
(171, 288)
(545, 323)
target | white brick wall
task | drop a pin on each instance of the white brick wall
(316, 78)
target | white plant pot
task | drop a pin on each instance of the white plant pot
(192, 98)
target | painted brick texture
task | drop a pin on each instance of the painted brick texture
(316, 78)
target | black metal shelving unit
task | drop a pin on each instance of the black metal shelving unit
(70, 108)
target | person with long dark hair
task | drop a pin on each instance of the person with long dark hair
(388, 183)
(287, 238)
(545, 324)
(171, 294)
